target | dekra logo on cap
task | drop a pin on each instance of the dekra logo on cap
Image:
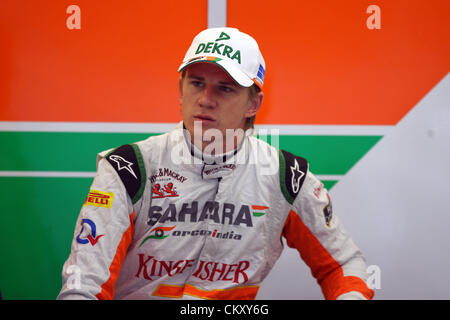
(220, 48)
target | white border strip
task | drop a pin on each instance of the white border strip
(115, 127)
(48, 174)
(329, 177)
(217, 13)
(325, 130)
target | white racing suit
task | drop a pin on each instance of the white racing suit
(161, 223)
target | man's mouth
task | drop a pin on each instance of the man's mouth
(203, 118)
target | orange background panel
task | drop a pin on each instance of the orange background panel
(121, 66)
(324, 66)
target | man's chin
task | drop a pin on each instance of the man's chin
(205, 127)
(204, 124)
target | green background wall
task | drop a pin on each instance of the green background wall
(39, 213)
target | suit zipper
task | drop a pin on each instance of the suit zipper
(218, 184)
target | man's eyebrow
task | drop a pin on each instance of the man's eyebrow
(192, 76)
(229, 83)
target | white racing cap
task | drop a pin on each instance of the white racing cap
(236, 52)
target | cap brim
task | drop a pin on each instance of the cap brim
(237, 75)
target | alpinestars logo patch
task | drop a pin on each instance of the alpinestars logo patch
(293, 171)
(297, 174)
(122, 164)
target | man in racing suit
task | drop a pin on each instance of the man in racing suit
(168, 218)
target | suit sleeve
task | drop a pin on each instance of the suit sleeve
(103, 233)
(326, 247)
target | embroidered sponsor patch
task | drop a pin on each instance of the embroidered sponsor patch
(128, 163)
(88, 235)
(99, 199)
(292, 174)
(123, 164)
(167, 190)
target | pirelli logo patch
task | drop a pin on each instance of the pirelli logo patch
(99, 199)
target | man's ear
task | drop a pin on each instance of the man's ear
(254, 104)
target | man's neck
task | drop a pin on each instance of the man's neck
(213, 144)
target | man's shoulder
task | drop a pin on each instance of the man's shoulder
(127, 161)
(292, 169)
(283, 156)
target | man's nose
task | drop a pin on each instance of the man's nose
(207, 98)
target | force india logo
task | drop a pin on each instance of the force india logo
(159, 233)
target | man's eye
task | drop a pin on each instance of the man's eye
(225, 89)
(197, 83)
